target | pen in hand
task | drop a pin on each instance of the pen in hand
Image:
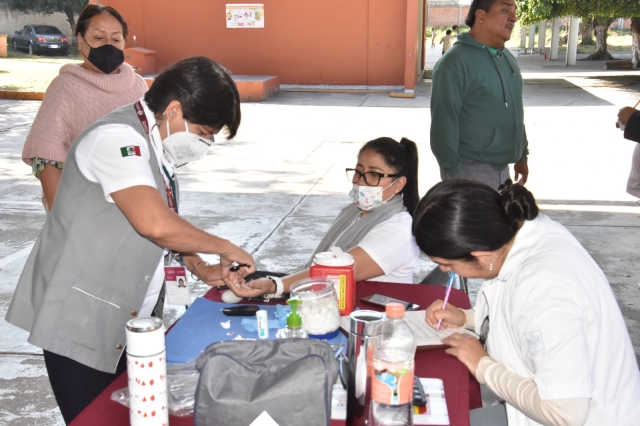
(452, 277)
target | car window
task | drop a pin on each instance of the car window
(47, 29)
(24, 29)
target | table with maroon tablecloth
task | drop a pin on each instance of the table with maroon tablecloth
(461, 390)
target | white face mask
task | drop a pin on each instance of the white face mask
(368, 198)
(185, 147)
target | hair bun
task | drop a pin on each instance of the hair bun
(519, 204)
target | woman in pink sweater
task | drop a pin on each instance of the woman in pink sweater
(81, 94)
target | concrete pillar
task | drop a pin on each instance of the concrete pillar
(542, 35)
(532, 36)
(523, 36)
(572, 41)
(555, 38)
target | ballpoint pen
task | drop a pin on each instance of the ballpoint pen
(452, 277)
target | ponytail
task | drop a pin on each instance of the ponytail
(460, 216)
(410, 193)
(403, 159)
(519, 204)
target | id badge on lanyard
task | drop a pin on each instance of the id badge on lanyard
(178, 290)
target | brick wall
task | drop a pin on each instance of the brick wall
(446, 16)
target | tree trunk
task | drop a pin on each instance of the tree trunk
(601, 26)
(72, 21)
(635, 42)
(586, 31)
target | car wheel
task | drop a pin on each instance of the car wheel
(31, 50)
(15, 46)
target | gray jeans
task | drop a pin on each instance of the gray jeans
(493, 415)
(482, 172)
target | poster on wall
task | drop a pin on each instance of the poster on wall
(245, 16)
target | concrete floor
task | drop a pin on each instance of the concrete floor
(276, 187)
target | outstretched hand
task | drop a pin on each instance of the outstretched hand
(255, 288)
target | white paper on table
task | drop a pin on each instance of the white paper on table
(437, 413)
(264, 419)
(424, 334)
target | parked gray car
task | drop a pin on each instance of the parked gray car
(39, 39)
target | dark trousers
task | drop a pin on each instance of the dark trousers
(75, 385)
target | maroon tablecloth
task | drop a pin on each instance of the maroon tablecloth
(461, 389)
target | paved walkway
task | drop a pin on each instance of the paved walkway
(275, 189)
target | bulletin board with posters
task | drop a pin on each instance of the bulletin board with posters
(245, 16)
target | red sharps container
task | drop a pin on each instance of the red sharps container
(341, 268)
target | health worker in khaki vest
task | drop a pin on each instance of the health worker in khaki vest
(100, 259)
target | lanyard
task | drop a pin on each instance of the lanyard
(171, 191)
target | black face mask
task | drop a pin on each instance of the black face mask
(106, 58)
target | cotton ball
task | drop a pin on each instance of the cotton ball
(230, 297)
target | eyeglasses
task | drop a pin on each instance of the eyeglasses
(370, 178)
(484, 332)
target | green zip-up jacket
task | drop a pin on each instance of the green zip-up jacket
(476, 108)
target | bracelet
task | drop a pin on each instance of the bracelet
(193, 270)
(279, 288)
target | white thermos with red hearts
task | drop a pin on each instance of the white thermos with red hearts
(147, 371)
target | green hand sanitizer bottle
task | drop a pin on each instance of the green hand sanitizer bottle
(294, 322)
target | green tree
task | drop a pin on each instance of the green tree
(48, 7)
(631, 9)
(600, 12)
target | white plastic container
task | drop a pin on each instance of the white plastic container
(147, 371)
(319, 307)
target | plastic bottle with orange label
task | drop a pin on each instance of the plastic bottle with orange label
(340, 267)
(392, 371)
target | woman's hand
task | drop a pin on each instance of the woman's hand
(210, 274)
(624, 114)
(466, 348)
(451, 316)
(255, 288)
(235, 254)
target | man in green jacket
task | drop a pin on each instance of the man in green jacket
(477, 116)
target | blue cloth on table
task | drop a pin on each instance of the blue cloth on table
(280, 320)
(200, 326)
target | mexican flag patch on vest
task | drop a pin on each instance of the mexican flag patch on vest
(128, 151)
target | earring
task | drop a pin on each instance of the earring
(491, 266)
(170, 114)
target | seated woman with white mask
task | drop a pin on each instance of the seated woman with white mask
(376, 228)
